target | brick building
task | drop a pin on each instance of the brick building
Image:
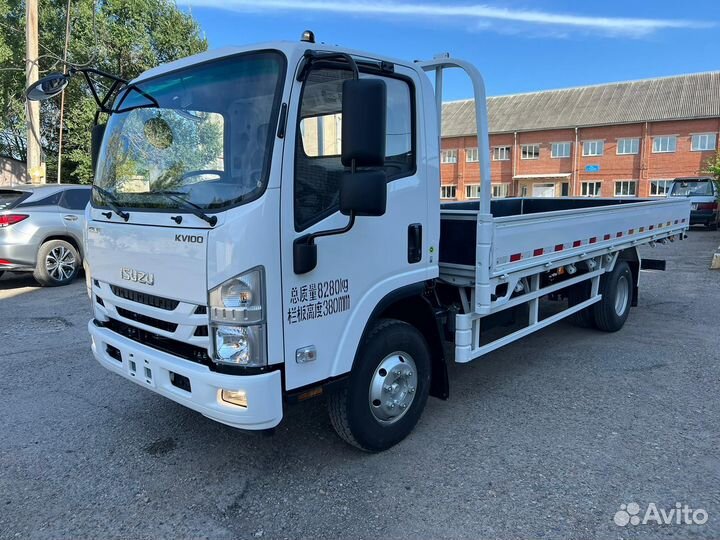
(619, 139)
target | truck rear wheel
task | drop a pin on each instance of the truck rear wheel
(387, 390)
(616, 287)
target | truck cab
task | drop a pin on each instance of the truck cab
(245, 268)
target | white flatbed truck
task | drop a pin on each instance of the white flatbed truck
(266, 227)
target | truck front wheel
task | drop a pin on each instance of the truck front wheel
(387, 389)
(613, 309)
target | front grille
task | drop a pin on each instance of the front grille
(144, 298)
(201, 331)
(149, 321)
(161, 343)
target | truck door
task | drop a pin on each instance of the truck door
(326, 309)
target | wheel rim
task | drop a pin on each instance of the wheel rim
(392, 388)
(622, 295)
(60, 263)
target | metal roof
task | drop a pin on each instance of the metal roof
(669, 98)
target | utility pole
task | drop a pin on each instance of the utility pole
(33, 107)
(62, 96)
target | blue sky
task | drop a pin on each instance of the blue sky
(519, 46)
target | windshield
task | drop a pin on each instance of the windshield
(209, 140)
(689, 188)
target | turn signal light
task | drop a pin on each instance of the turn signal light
(11, 219)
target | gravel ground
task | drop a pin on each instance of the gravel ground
(544, 438)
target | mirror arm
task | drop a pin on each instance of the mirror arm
(101, 102)
(310, 238)
(305, 249)
(127, 89)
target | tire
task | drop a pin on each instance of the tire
(616, 287)
(58, 263)
(359, 417)
(577, 294)
(714, 226)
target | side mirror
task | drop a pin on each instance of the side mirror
(96, 137)
(364, 109)
(47, 87)
(364, 125)
(363, 193)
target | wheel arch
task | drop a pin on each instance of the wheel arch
(65, 238)
(409, 304)
(632, 257)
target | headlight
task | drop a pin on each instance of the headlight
(239, 300)
(237, 317)
(240, 345)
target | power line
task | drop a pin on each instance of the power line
(50, 54)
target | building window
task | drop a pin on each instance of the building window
(530, 151)
(625, 188)
(472, 191)
(628, 146)
(560, 149)
(666, 143)
(448, 156)
(501, 153)
(591, 189)
(499, 191)
(471, 155)
(660, 188)
(593, 148)
(523, 191)
(703, 141)
(447, 192)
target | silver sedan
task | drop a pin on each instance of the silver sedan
(41, 231)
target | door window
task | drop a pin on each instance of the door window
(318, 147)
(543, 190)
(75, 199)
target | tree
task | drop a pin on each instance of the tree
(124, 37)
(712, 167)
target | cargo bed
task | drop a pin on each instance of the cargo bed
(528, 249)
(532, 232)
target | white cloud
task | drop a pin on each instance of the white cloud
(634, 27)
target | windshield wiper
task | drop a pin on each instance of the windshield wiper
(193, 208)
(112, 203)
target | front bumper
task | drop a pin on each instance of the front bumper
(151, 368)
(21, 258)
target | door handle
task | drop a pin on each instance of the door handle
(70, 218)
(414, 243)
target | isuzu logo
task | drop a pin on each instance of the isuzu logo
(130, 274)
(189, 238)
